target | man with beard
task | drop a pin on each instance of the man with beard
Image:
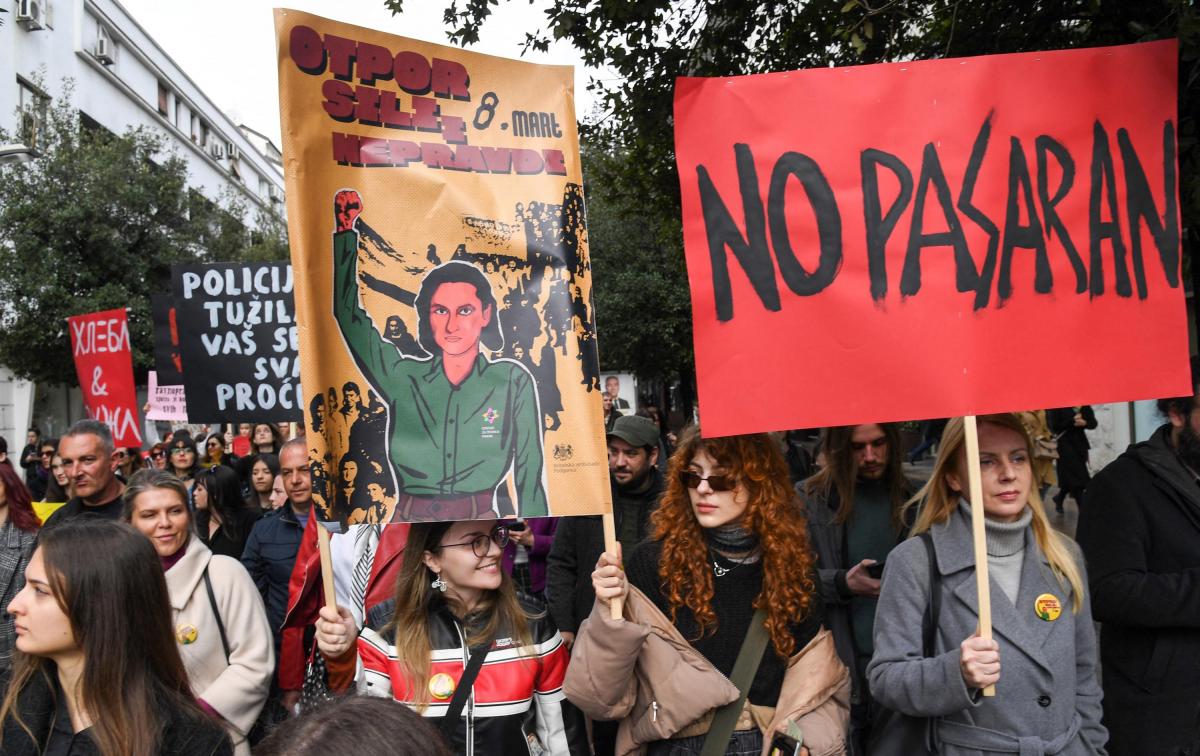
(854, 505)
(1140, 533)
(579, 541)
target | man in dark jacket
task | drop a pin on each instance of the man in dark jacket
(89, 458)
(854, 505)
(1140, 534)
(271, 549)
(579, 541)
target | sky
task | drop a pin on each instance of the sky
(239, 72)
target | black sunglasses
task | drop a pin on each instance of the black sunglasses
(717, 483)
(482, 544)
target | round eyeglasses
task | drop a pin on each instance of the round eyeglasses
(482, 544)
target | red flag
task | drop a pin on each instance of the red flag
(104, 363)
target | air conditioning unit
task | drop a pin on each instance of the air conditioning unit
(31, 14)
(217, 150)
(274, 194)
(104, 48)
(233, 153)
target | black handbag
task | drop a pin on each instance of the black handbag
(315, 690)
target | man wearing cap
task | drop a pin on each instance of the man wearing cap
(636, 485)
(579, 541)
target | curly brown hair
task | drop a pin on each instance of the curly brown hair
(772, 514)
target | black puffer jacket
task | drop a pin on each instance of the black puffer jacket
(1140, 531)
(517, 696)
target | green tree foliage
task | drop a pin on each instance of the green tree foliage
(95, 223)
(643, 46)
(643, 314)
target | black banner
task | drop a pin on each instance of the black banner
(237, 327)
(167, 361)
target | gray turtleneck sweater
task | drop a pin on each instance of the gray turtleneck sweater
(1006, 550)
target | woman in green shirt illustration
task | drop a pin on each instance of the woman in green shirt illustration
(460, 423)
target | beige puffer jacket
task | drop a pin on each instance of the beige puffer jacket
(642, 671)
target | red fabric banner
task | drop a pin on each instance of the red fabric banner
(104, 363)
(934, 238)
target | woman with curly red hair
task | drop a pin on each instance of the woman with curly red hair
(729, 550)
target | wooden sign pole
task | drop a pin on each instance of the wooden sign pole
(975, 481)
(616, 606)
(326, 564)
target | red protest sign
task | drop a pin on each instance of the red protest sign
(934, 238)
(104, 363)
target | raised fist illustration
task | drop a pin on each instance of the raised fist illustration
(346, 207)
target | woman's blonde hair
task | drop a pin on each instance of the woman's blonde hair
(498, 613)
(936, 501)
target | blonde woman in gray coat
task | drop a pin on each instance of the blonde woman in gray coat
(1042, 656)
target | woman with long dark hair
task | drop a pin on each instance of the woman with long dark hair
(220, 622)
(58, 489)
(266, 439)
(453, 599)
(261, 472)
(215, 452)
(129, 461)
(98, 670)
(930, 664)
(223, 519)
(729, 550)
(18, 536)
(182, 459)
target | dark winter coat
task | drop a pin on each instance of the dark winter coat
(1073, 446)
(182, 735)
(1140, 532)
(269, 557)
(578, 544)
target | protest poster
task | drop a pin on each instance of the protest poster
(933, 238)
(444, 294)
(166, 402)
(104, 364)
(237, 333)
(167, 360)
(621, 389)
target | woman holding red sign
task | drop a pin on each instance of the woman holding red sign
(727, 573)
(931, 666)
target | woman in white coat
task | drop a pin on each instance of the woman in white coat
(220, 622)
(931, 666)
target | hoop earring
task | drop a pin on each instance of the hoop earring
(438, 584)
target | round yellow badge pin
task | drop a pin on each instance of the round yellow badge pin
(441, 686)
(186, 634)
(1047, 607)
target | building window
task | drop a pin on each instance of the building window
(179, 111)
(203, 134)
(164, 97)
(33, 104)
(195, 132)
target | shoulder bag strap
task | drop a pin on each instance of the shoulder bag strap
(465, 683)
(744, 669)
(212, 600)
(929, 623)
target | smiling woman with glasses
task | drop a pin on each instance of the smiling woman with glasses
(728, 564)
(453, 601)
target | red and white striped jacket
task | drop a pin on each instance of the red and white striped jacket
(517, 704)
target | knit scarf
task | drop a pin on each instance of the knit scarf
(731, 539)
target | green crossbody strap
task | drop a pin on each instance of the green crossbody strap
(744, 669)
